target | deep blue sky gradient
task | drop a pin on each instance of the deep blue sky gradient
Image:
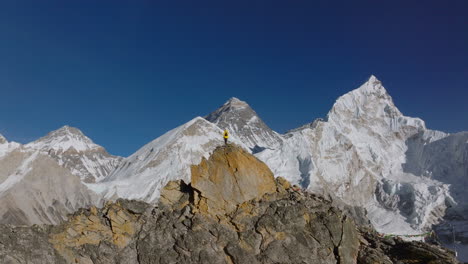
(125, 72)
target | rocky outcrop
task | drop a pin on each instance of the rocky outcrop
(275, 223)
(115, 225)
(106, 235)
(231, 176)
(286, 226)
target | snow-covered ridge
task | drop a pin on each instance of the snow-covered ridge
(76, 152)
(169, 157)
(64, 139)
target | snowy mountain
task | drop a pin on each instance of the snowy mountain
(357, 154)
(367, 153)
(43, 181)
(445, 160)
(243, 122)
(143, 174)
(76, 152)
(169, 157)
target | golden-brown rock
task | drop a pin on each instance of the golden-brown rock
(173, 193)
(230, 177)
(114, 224)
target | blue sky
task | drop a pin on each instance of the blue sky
(125, 72)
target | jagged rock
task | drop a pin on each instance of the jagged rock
(231, 176)
(20, 245)
(173, 193)
(116, 225)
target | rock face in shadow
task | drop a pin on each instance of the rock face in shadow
(237, 220)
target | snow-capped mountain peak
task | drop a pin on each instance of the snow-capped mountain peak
(371, 104)
(63, 139)
(369, 96)
(243, 122)
(373, 85)
(76, 152)
(235, 103)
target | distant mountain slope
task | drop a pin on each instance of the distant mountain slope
(143, 174)
(76, 152)
(35, 189)
(42, 182)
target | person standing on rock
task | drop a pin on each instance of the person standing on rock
(226, 136)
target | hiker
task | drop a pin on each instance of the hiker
(226, 136)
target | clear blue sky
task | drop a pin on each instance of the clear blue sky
(125, 72)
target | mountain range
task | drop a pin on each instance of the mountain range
(365, 152)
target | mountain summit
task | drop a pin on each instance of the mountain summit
(371, 104)
(76, 152)
(243, 122)
(64, 139)
(230, 177)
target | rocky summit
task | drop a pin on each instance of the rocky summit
(230, 177)
(234, 211)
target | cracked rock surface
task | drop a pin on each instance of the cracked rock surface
(274, 224)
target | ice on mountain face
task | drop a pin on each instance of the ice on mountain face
(444, 158)
(76, 152)
(169, 157)
(243, 122)
(358, 154)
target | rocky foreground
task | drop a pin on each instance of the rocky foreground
(234, 211)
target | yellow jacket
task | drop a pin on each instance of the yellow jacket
(226, 134)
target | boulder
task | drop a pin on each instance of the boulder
(228, 178)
